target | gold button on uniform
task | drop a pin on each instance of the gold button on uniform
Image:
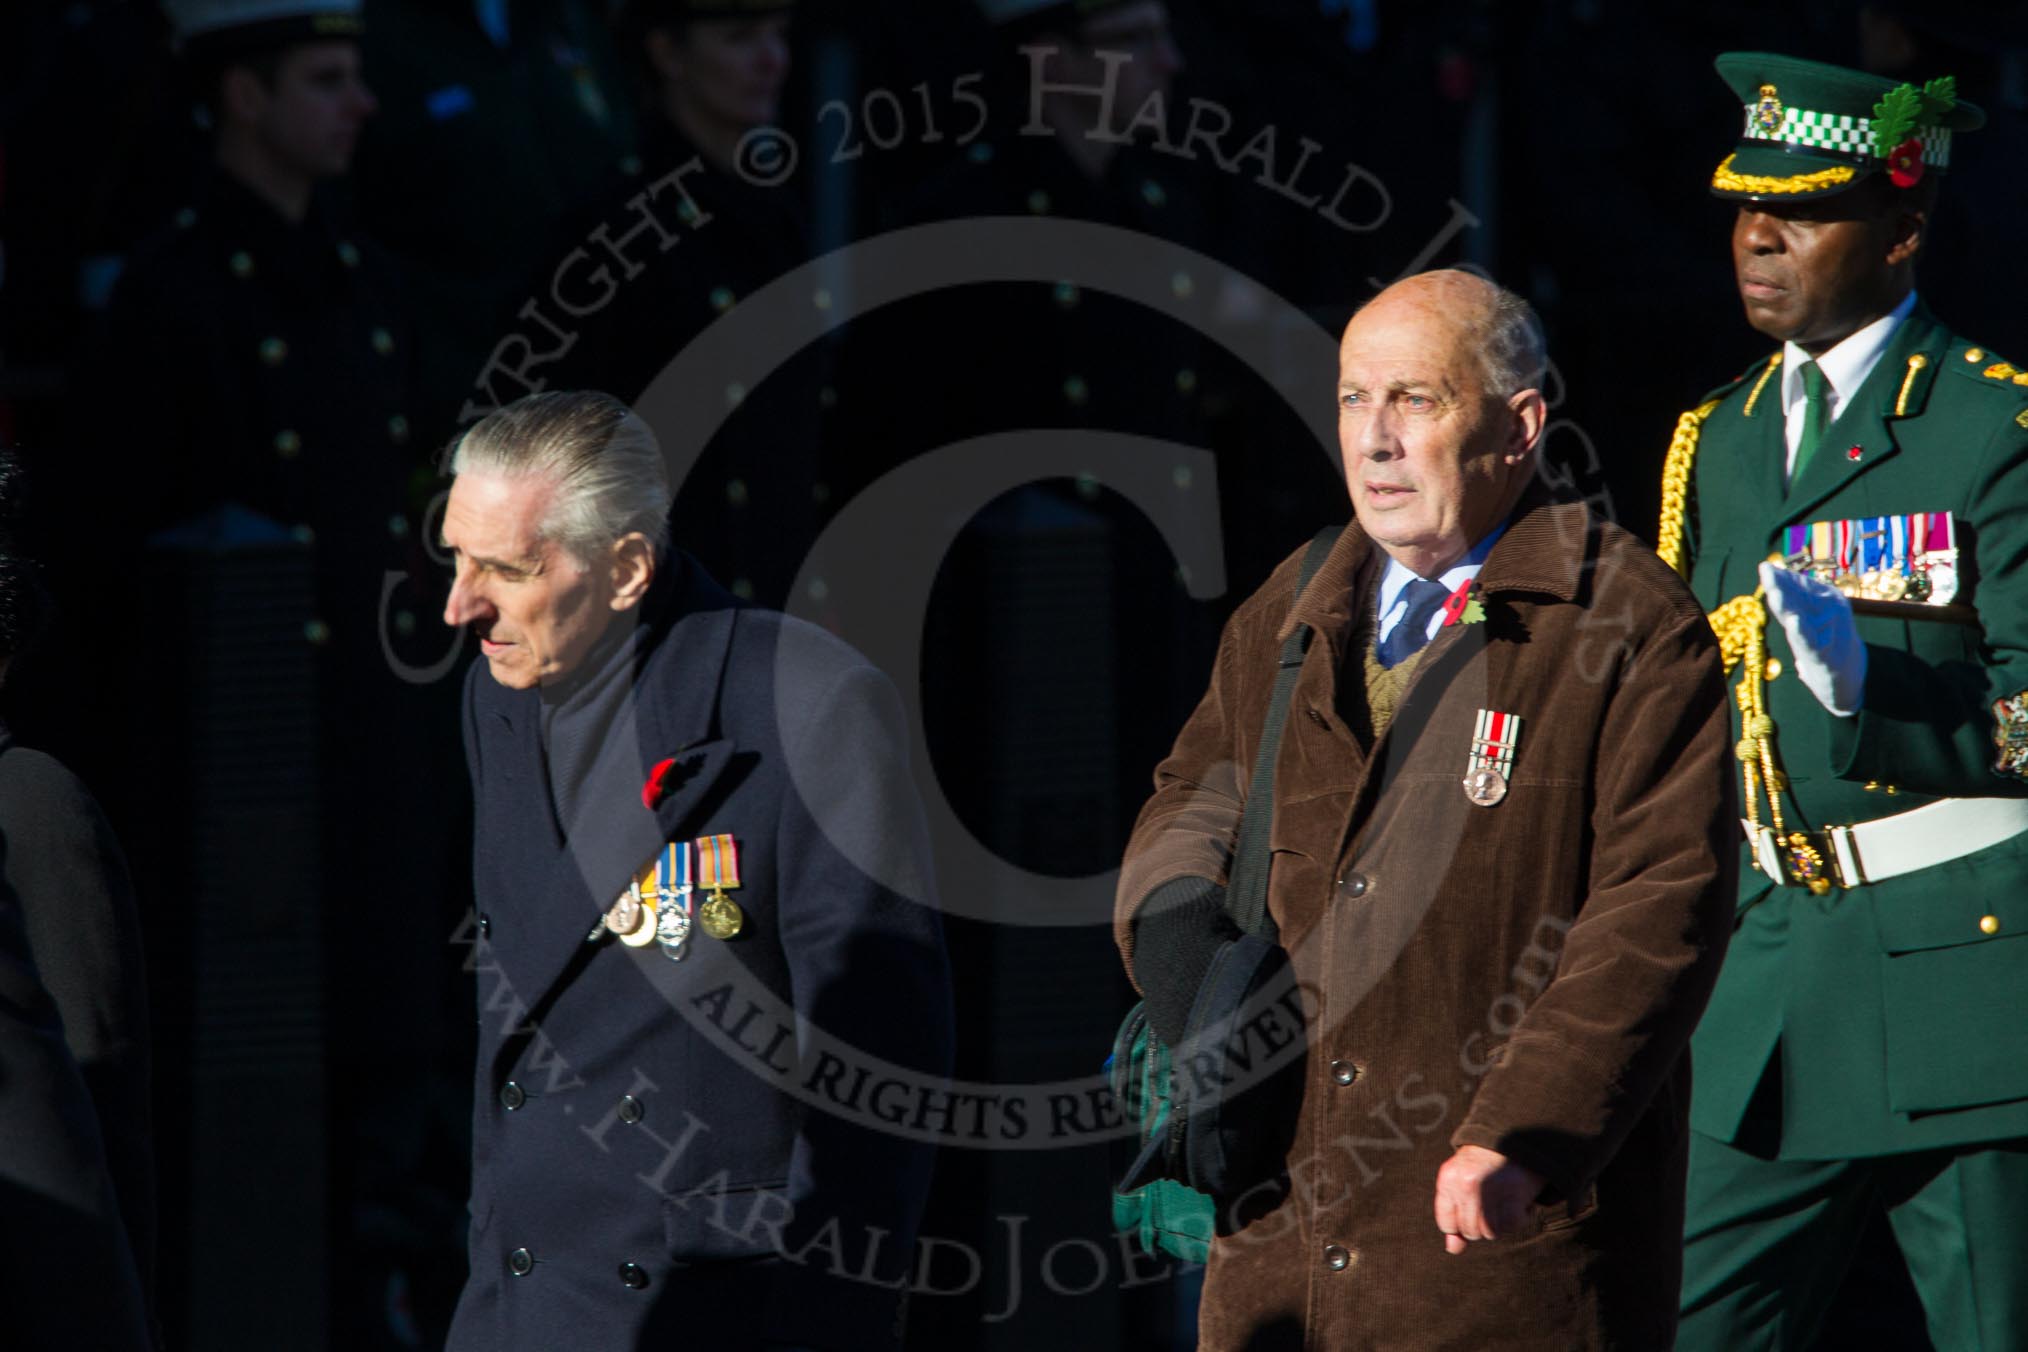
(1975, 354)
(1989, 924)
(1774, 668)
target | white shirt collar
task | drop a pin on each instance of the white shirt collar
(1398, 575)
(1845, 366)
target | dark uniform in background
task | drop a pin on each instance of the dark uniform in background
(1864, 1050)
(77, 1187)
(749, 502)
(498, 120)
(253, 379)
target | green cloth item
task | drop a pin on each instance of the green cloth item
(1767, 1243)
(1816, 410)
(1812, 130)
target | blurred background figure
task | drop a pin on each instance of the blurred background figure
(77, 1185)
(241, 437)
(707, 73)
(498, 119)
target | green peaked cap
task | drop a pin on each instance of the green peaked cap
(1810, 129)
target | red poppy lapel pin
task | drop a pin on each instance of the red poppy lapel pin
(661, 781)
(1466, 605)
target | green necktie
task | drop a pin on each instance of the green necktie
(1816, 407)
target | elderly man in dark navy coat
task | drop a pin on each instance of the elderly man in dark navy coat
(706, 926)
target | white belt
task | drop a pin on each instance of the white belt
(1871, 852)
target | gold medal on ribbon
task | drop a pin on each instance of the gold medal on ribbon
(721, 917)
(717, 874)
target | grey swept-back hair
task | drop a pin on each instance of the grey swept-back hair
(605, 463)
(1511, 347)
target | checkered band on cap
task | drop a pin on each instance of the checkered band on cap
(1845, 135)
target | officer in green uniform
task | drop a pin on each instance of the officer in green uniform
(1854, 511)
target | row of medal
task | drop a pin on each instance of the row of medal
(1911, 557)
(660, 903)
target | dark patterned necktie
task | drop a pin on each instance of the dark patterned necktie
(1408, 637)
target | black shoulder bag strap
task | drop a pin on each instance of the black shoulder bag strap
(1246, 891)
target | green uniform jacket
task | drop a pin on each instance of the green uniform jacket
(1885, 1018)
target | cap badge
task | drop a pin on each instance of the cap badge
(1767, 112)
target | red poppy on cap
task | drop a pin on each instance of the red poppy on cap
(1904, 163)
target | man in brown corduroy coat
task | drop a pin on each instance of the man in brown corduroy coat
(1502, 832)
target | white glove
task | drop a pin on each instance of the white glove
(1830, 659)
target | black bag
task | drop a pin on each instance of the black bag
(1214, 1125)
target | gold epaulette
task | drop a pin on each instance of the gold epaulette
(1676, 469)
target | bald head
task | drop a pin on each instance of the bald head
(1438, 414)
(1499, 325)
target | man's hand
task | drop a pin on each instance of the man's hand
(1481, 1194)
(1830, 659)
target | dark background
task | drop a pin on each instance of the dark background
(1562, 147)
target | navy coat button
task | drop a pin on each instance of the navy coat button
(633, 1276)
(631, 1110)
(512, 1096)
(521, 1262)
(485, 925)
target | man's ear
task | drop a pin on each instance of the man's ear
(1907, 230)
(633, 569)
(241, 95)
(1530, 414)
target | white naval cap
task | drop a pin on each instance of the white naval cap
(215, 26)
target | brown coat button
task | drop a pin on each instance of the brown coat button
(1337, 1257)
(1344, 1072)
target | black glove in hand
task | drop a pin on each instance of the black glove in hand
(1176, 932)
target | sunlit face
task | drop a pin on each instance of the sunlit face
(728, 72)
(1815, 272)
(310, 116)
(536, 610)
(1432, 458)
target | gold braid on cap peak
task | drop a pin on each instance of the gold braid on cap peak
(1723, 177)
